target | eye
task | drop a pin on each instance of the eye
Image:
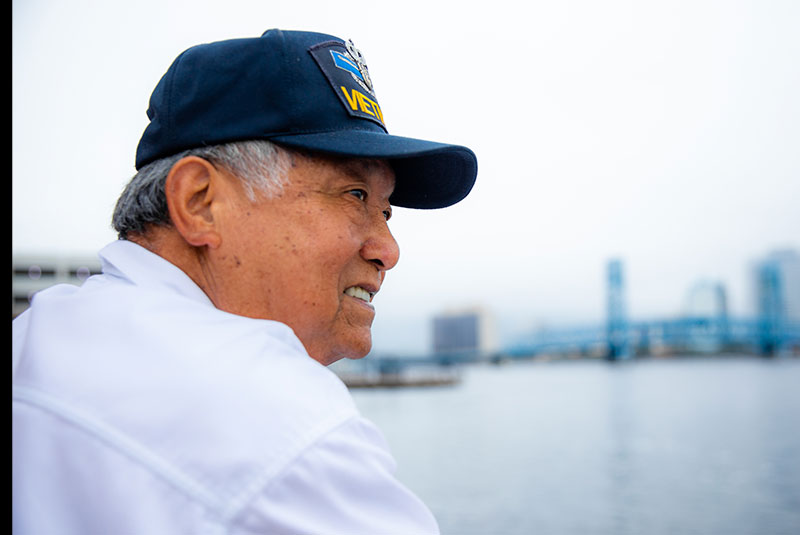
(360, 194)
(387, 214)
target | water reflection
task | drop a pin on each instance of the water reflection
(689, 446)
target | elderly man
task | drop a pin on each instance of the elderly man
(174, 392)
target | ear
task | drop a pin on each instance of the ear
(192, 188)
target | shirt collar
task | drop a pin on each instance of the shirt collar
(130, 261)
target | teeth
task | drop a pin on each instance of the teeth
(359, 293)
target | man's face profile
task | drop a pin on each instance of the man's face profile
(313, 256)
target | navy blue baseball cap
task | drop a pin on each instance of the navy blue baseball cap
(301, 90)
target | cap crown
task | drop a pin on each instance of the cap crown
(253, 88)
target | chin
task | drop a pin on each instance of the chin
(352, 349)
(359, 355)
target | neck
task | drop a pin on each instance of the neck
(167, 243)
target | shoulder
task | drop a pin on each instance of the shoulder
(343, 483)
(171, 384)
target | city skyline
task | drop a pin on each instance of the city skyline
(663, 134)
(448, 329)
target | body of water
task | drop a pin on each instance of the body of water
(670, 446)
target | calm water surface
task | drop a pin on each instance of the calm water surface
(678, 446)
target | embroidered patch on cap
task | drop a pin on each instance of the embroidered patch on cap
(344, 67)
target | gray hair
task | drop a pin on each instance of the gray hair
(262, 166)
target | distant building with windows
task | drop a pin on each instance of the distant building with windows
(705, 311)
(776, 283)
(466, 331)
(31, 273)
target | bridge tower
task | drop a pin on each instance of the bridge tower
(770, 308)
(617, 328)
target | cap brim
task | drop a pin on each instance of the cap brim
(428, 174)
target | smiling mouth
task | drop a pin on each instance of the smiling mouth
(360, 293)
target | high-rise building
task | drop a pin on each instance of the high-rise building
(705, 313)
(785, 267)
(466, 331)
(777, 297)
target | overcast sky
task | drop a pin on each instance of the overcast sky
(663, 133)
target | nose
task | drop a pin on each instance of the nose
(380, 248)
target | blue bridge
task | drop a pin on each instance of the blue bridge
(770, 332)
(679, 336)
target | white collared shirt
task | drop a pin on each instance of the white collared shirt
(140, 408)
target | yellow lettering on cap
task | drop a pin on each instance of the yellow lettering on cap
(364, 102)
(351, 99)
(378, 110)
(358, 100)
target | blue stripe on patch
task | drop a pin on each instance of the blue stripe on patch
(344, 63)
